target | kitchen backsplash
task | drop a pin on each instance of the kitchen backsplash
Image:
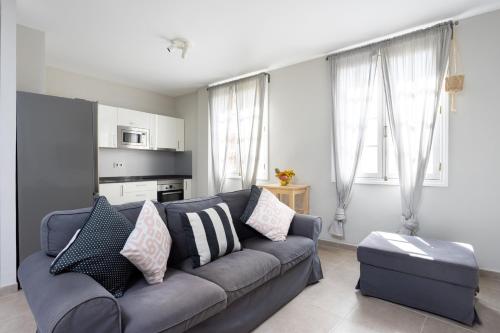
(143, 162)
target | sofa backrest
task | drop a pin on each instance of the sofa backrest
(237, 202)
(179, 250)
(58, 227)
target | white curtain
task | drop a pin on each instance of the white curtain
(236, 119)
(221, 104)
(352, 78)
(413, 68)
(251, 100)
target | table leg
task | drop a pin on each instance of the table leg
(292, 200)
(306, 201)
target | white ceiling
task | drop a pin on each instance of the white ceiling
(123, 40)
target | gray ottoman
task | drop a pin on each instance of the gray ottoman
(431, 275)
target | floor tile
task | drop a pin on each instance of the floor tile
(490, 318)
(490, 283)
(339, 299)
(18, 323)
(351, 327)
(432, 325)
(13, 305)
(296, 318)
(386, 317)
(489, 296)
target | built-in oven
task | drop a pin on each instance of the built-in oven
(132, 137)
(170, 190)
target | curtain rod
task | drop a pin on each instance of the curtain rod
(243, 78)
(366, 44)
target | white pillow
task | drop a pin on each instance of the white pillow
(148, 246)
(271, 217)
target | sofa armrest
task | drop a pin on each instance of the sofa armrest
(309, 226)
(68, 302)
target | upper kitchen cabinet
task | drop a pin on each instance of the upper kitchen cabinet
(107, 121)
(169, 133)
(158, 132)
(132, 118)
(179, 126)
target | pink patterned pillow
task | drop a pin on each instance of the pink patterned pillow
(148, 246)
(271, 217)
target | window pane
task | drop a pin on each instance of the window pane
(371, 132)
(433, 164)
(368, 164)
(392, 162)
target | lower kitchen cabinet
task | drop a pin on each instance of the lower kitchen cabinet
(188, 194)
(119, 193)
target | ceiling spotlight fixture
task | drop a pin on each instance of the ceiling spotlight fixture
(178, 43)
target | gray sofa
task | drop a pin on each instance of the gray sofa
(234, 293)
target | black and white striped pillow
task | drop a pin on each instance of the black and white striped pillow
(210, 234)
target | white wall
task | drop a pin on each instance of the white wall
(8, 143)
(464, 211)
(30, 60)
(67, 84)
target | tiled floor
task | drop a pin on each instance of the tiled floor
(334, 306)
(331, 306)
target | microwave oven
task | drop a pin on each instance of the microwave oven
(132, 137)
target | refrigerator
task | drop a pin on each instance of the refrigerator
(56, 161)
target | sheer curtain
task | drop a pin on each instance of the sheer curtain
(251, 100)
(220, 103)
(352, 78)
(413, 68)
(236, 120)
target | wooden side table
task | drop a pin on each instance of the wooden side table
(293, 193)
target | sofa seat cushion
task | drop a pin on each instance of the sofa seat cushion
(238, 273)
(181, 301)
(428, 258)
(289, 252)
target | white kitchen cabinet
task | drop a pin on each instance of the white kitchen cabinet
(134, 118)
(166, 132)
(107, 118)
(153, 119)
(119, 193)
(179, 127)
(188, 194)
(169, 133)
(113, 192)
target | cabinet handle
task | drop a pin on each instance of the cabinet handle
(121, 190)
(178, 144)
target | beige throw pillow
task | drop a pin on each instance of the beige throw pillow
(148, 246)
(271, 217)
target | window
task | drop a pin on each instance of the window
(233, 155)
(378, 161)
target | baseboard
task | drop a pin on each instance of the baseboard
(489, 274)
(10, 289)
(337, 245)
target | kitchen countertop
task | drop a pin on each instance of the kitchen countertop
(106, 180)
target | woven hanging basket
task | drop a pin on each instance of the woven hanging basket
(454, 83)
